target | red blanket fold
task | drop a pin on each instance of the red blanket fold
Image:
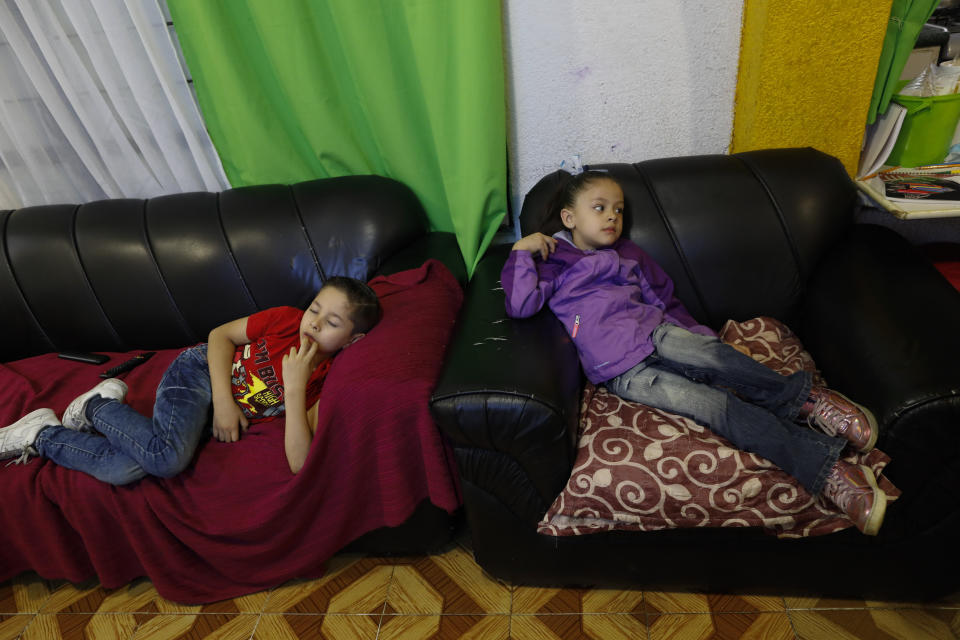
(237, 520)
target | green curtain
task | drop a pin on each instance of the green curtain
(907, 18)
(409, 89)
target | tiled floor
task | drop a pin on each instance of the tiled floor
(448, 596)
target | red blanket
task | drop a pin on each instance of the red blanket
(237, 520)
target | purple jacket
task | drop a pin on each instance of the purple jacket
(609, 300)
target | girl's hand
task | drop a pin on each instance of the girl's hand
(299, 364)
(537, 243)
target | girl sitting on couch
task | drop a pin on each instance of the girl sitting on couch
(634, 336)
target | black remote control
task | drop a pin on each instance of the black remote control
(129, 364)
(83, 356)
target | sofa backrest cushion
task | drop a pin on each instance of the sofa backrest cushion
(116, 275)
(739, 234)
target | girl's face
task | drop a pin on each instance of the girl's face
(596, 219)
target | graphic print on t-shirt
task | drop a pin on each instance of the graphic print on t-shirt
(255, 384)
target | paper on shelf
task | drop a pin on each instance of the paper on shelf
(880, 138)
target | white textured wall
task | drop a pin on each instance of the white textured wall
(617, 81)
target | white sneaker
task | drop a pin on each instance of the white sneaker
(18, 438)
(75, 416)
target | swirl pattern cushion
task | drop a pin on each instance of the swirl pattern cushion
(641, 469)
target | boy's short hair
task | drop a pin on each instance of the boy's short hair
(365, 308)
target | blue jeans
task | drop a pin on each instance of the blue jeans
(133, 446)
(682, 377)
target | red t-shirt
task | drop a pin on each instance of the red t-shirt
(257, 374)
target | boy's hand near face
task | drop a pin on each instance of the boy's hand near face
(298, 366)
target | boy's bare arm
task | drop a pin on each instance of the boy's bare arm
(300, 424)
(298, 430)
(222, 343)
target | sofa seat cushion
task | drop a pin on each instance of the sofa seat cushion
(236, 520)
(642, 469)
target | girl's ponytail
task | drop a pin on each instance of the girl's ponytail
(550, 222)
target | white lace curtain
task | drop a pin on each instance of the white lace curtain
(94, 104)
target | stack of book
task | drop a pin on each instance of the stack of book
(927, 191)
(907, 192)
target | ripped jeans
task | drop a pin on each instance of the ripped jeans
(131, 445)
(682, 376)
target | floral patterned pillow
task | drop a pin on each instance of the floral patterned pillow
(641, 469)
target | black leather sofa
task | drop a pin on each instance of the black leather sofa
(117, 275)
(759, 233)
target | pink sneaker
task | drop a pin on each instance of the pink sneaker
(853, 488)
(837, 415)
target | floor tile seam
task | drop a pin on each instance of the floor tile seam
(512, 612)
(450, 615)
(890, 608)
(513, 595)
(474, 613)
(270, 593)
(574, 613)
(363, 615)
(300, 614)
(266, 599)
(253, 632)
(713, 612)
(29, 622)
(265, 610)
(150, 613)
(25, 627)
(324, 613)
(470, 613)
(793, 626)
(39, 608)
(386, 599)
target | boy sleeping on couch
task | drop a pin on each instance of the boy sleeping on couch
(257, 367)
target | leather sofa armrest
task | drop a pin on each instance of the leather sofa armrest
(441, 245)
(884, 327)
(509, 387)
